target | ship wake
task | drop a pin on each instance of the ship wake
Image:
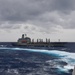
(64, 63)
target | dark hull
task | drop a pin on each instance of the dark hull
(52, 45)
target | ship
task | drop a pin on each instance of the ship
(27, 42)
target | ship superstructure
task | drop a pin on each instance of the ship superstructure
(24, 40)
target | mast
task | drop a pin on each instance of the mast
(25, 35)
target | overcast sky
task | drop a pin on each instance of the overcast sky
(54, 19)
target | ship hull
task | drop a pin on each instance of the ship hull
(52, 45)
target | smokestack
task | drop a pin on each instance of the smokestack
(22, 36)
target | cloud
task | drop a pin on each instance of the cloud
(63, 5)
(44, 14)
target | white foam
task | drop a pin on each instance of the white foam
(67, 57)
(61, 69)
(69, 67)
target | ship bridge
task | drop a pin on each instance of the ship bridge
(24, 39)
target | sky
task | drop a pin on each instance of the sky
(54, 19)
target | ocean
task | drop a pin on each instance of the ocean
(22, 61)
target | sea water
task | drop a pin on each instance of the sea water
(22, 61)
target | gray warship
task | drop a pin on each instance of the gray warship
(27, 42)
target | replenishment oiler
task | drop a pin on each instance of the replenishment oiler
(27, 42)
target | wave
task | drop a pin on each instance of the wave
(64, 56)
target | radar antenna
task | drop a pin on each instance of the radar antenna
(25, 35)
